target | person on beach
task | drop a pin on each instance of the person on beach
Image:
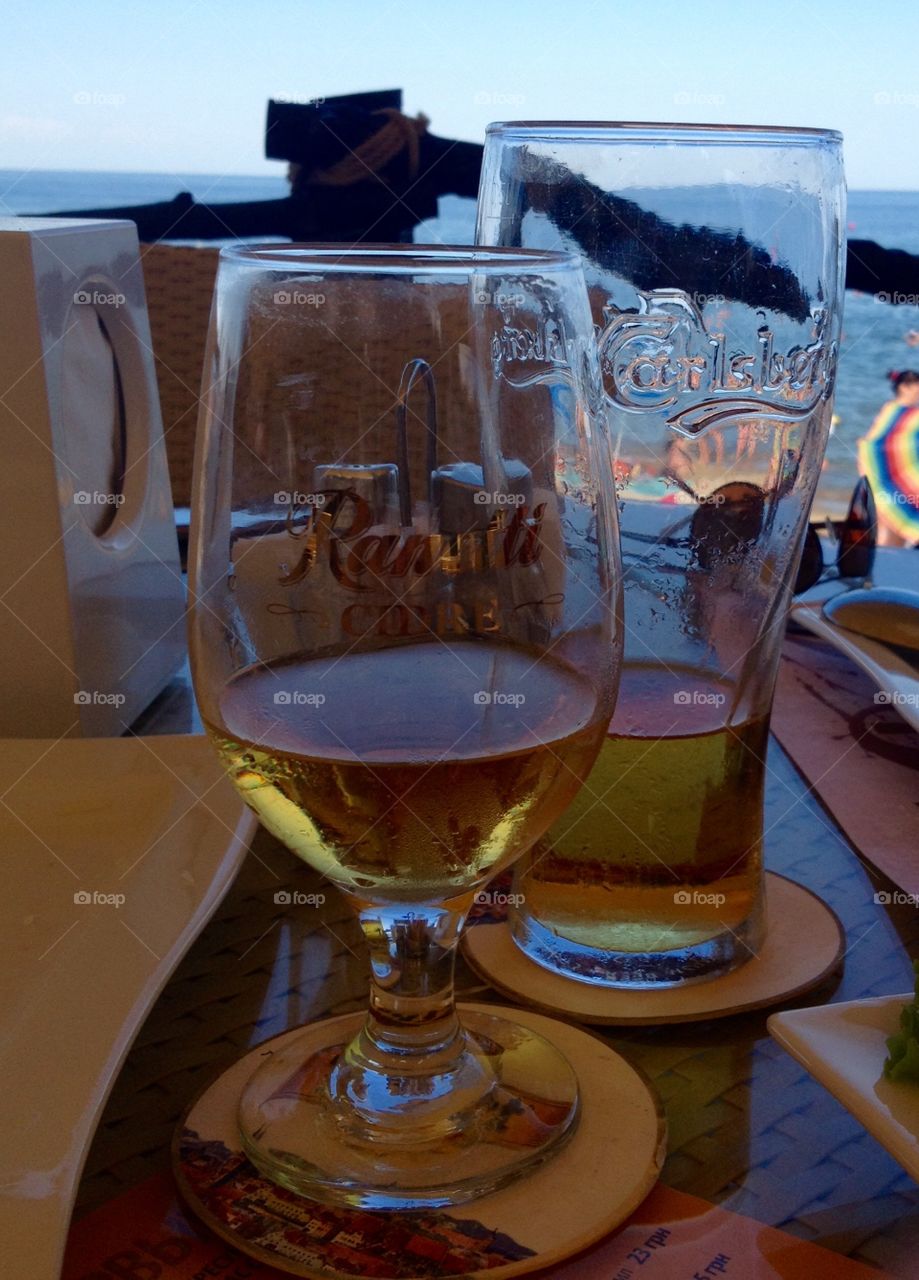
(889, 456)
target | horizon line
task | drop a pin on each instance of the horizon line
(203, 173)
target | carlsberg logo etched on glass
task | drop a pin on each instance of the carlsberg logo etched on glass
(664, 358)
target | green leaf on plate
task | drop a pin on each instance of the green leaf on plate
(903, 1048)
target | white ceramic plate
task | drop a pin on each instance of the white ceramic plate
(896, 679)
(115, 853)
(844, 1047)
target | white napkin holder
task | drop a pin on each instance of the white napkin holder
(90, 582)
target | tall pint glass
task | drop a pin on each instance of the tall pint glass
(714, 263)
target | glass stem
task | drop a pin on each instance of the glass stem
(412, 959)
(411, 1069)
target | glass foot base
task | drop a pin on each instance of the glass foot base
(650, 970)
(510, 1102)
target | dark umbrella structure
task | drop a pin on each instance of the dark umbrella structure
(359, 169)
(363, 171)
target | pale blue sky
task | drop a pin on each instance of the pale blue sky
(181, 85)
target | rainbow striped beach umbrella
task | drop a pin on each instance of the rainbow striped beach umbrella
(889, 456)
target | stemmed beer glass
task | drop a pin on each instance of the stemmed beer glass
(405, 644)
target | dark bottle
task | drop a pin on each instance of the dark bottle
(859, 534)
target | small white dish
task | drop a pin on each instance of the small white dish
(116, 851)
(897, 679)
(844, 1047)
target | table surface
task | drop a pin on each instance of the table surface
(749, 1128)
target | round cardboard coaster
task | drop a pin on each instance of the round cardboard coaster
(594, 1183)
(804, 943)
